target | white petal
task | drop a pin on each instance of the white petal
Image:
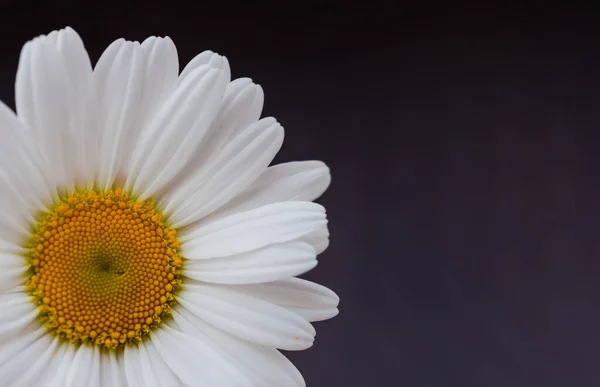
(236, 112)
(82, 107)
(254, 229)
(35, 360)
(266, 366)
(22, 338)
(319, 239)
(270, 263)
(310, 300)
(60, 367)
(160, 75)
(164, 375)
(110, 370)
(84, 369)
(119, 77)
(18, 317)
(247, 317)
(172, 136)
(20, 161)
(294, 181)
(239, 163)
(194, 362)
(26, 364)
(133, 368)
(206, 58)
(43, 103)
(160, 69)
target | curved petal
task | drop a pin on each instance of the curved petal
(133, 368)
(119, 83)
(56, 99)
(24, 336)
(239, 163)
(270, 263)
(241, 107)
(293, 181)
(151, 357)
(43, 101)
(308, 299)
(207, 57)
(28, 367)
(266, 366)
(20, 161)
(84, 369)
(171, 137)
(319, 239)
(110, 371)
(18, 317)
(61, 364)
(161, 65)
(254, 229)
(194, 362)
(247, 317)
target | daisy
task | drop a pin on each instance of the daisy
(144, 238)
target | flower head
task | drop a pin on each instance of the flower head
(144, 238)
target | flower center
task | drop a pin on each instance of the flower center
(104, 268)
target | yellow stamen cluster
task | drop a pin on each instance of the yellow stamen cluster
(104, 268)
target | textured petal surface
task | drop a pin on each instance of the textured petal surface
(55, 98)
(111, 373)
(170, 139)
(294, 181)
(194, 362)
(18, 317)
(241, 107)
(119, 77)
(310, 300)
(265, 366)
(267, 264)
(247, 317)
(240, 162)
(84, 368)
(27, 368)
(20, 163)
(254, 229)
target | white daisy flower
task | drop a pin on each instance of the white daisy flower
(144, 240)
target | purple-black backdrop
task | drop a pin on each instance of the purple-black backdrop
(463, 145)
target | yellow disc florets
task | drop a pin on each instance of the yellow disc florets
(104, 268)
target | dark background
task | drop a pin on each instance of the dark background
(464, 148)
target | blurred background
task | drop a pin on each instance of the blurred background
(463, 143)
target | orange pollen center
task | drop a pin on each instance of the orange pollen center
(104, 268)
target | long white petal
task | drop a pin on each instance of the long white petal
(111, 373)
(21, 162)
(312, 301)
(84, 369)
(164, 375)
(293, 181)
(18, 317)
(42, 99)
(194, 362)
(241, 107)
(169, 141)
(42, 352)
(133, 368)
(265, 365)
(239, 163)
(247, 317)
(26, 364)
(254, 229)
(270, 263)
(119, 83)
